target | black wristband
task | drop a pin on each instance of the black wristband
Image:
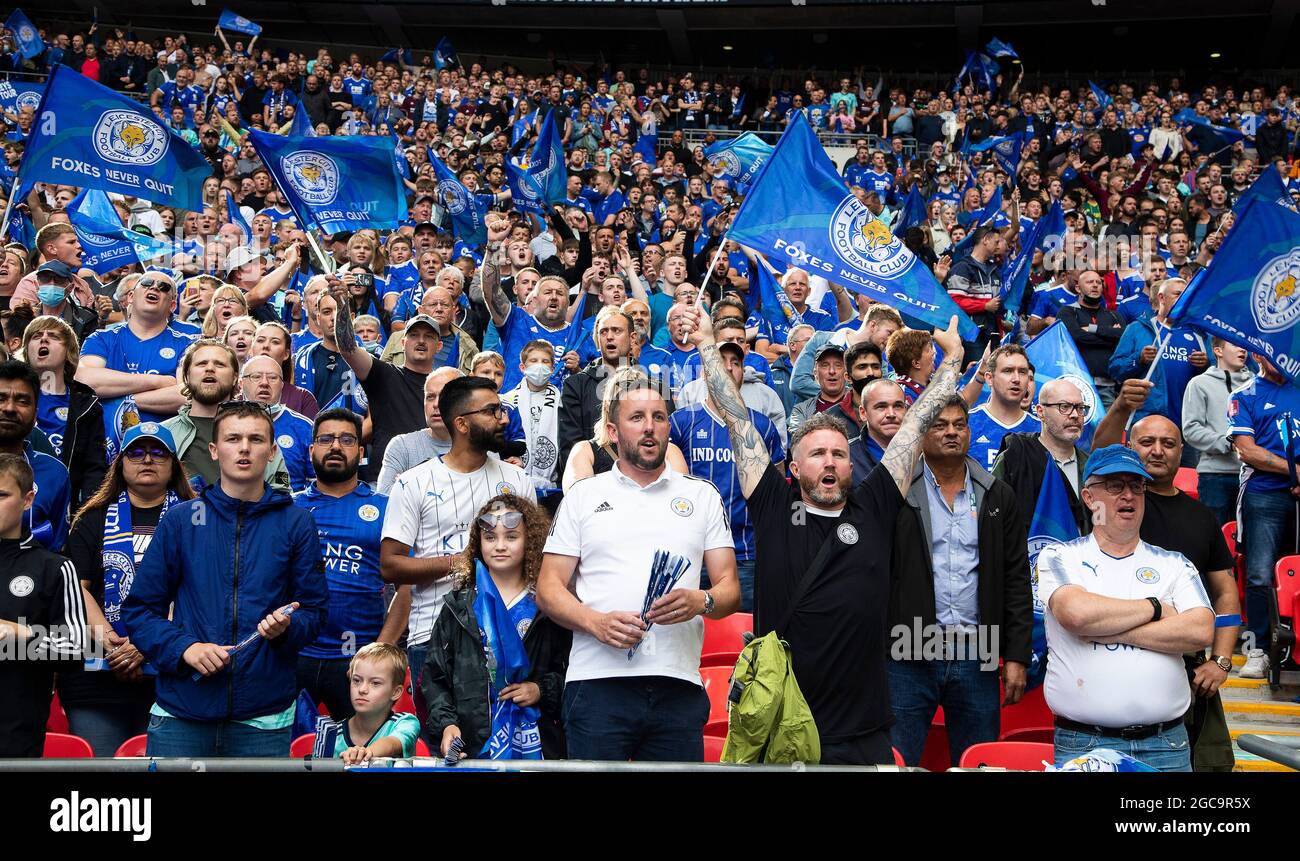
(1157, 607)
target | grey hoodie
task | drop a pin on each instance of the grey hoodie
(1205, 418)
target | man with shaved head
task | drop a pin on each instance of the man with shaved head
(1175, 521)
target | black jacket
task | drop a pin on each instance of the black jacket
(1004, 598)
(1022, 463)
(83, 443)
(580, 407)
(1270, 143)
(455, 678)
(1096, 345)
(41, 589)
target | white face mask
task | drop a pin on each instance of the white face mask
(538, 373)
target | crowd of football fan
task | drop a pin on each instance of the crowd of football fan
(121, 383)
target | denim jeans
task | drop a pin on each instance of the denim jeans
(1265, 517)
(745, 574)
(415, 656)
(107, 725)
(646, 718)
(1218, 491)
(1167, 751)
(326, 681)
(969, 696)
(173, 736)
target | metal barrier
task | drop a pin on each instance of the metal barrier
(1284, 750)
(334, 766)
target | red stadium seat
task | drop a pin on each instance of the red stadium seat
(713, 748)
(58, 719)
(1283, 630)
(723, 639)
(717, 684)
(302, 745)
(136, 745)
(1017, 755)
(935, 756)
(62, 746)
(1238, 560)
(1230, 536)
(1031, 711)
(898, 758)
(1186, 480)
(1040, 734)
(405, 703)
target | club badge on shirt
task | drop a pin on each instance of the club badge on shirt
(1148, 575)
(683, 507)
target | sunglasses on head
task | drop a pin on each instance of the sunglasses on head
(508, 519)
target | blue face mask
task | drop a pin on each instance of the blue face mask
(50, 295)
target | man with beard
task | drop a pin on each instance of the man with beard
(262, 380)
(208, 371)
(432, 506)
(47, 516)
(349, 517)
(823, 549)
(580, 400)
(622, 702)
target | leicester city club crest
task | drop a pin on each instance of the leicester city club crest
(453, 196)
(729, 162)
(126, 137)
(87, 238)
(1274, 297)
(314, 176)
(32, 99)
(26, 33)
(864, 242)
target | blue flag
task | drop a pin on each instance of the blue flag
(405, 56)
(91, 137)
(575, 339)
(513, 732)
(1052, 523)
(20, 228)
(444, 55)
(300, 126)
(1006, 150)
(107, 243)
(912, 213)
(1055, 356)
(1268, 187)
(1015, 276)
(335, 183)
(800, 211)
(741, 158)
(988, 68)
(468, 215)
(546, 162)
(1227, 136)
(998, 48)
(990, 216)
(26, 36)
(235, 217)
(1250, 293)
(16, 95)
(1103, 99)
(399, 157)
(524, 192)
(770, 301)
(238, 24)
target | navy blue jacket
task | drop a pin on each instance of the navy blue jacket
(226, 564)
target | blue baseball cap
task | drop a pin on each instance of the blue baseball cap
(148, 430)
(1114, 460)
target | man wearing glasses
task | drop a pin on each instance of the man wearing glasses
(261, 380)
(1120, 614)
(1026, 457)
(139, 359)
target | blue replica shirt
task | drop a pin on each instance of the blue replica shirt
(357, 88)
(52, 418)
(856, 174)
(122, 351)
(1259, 410)
(293, 436)
(514, 425)
(350, 528)
(1176, 365)
(305, 338)
(657, 361)
(986, 433)
(1047, 302)
(1135, 307)
(680, 370)
(400, 278)
(881, 183)
(815, 317)
(706, 444)
(1127, 288)
(610, 204)
(952, 196)
(47, 519)
(190, 97)
(1139, 137)
(520, 328)
(752, 360)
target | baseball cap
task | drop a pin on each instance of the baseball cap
(422, 318)
(57, 268)
(828, 347)
(733, 347)
(148, 430)
(420, 198)
(426, 225)
(240, 256)
(1114, 460)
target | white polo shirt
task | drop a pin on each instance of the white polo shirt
(614, 526)
(430, 509)
(1115, 685)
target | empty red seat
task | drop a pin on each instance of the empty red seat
(1017, 755)
(717, 684)
(1041, 734)
(935, 755)
(58, 719)
(63, 746)
(1031, 711)
(136, 745)
(898, 758)
(713, 748)
(724, 638)
(1186, 480)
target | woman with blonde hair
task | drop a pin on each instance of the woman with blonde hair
(239, 335)
(491, 636)
(13, 266)
(598, 454)
(228, 302)
(68, 412)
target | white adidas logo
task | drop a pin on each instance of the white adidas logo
(983, 439)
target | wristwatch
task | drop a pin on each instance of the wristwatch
(708, 602)
(1224, 662)
(1157, 607)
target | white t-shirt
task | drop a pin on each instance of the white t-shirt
(1115, 685)
(430, 509)
(614, 528)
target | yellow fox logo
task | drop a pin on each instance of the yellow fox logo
(1285, 288)
(132, 136)
(309, 172)
(876, 234)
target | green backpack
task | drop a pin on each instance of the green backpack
(768, 718)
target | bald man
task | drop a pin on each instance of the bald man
(262, 380)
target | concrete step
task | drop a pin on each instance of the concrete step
(1243, 711)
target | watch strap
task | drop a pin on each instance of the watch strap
(1157, 608)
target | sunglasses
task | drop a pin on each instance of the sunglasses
(508, 519)
(138, 454)
(157, 283)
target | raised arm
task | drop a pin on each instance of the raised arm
(747, 446)
(905, 448)
(497, 302)
(345, 337)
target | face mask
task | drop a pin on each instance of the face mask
(50, 295)
(537, 373)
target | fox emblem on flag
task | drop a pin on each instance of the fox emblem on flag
(453, 196)
(865, 241)
(128, 138)
(313, 175)
(1274, 301)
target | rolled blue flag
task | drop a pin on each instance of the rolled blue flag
(237, 218)
(741, 158)
(91, 137)
(1249, 295)
(444, 55)
(912, 213)
(1103, 99)
(1015, 276)
(544, 181)
(1052, 523)
(800, 211)
(336, 183)
(238, 24)
(26, 36)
